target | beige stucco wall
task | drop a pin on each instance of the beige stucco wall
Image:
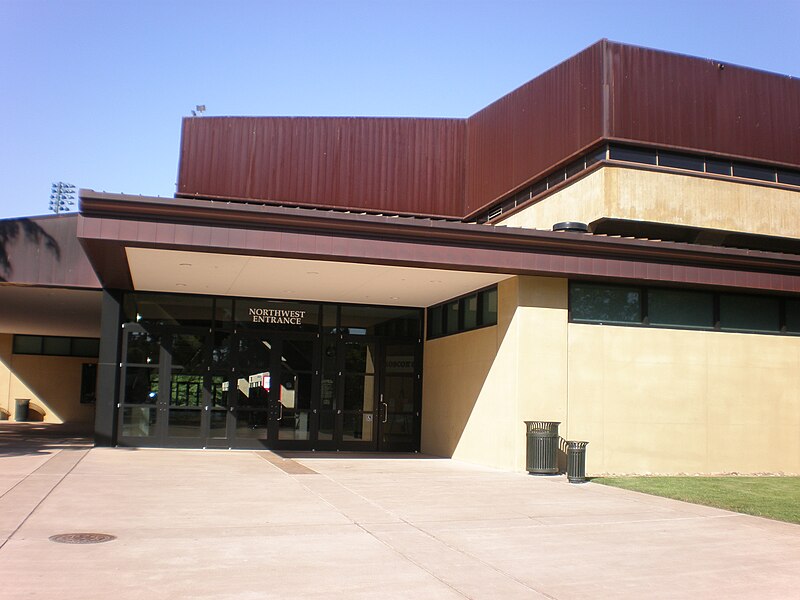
(638, 194)
(648, 400)
(480, 386)
(51, 383)
(670, 401)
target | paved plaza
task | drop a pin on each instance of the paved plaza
(258, 525)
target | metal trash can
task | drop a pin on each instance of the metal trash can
(542, 447)
(21, 409)
(576, 462)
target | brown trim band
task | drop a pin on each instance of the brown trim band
(412, 242)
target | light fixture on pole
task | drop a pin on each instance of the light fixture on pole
(62, 196)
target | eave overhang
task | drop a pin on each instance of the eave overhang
(111, 222)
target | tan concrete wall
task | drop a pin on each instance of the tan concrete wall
(669, 198)
(469, 383)
(648, 400)
(480, 386)
(583, 200)
(51, 383)
(672, 401)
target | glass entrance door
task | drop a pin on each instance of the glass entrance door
(193, 387)
(275, 382)
(399, 398)
(370, 394)
(358, 385)
(170, 396)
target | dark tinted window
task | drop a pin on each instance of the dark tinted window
(638, 155)
(463, 314)
(753, 172)
(223, 312)
(719, 167)
(790, 177)
(168, 309)
(680, 161)
(596, 156)
(379, 320)
(538, 188)
(451, 317)
(576, 167)
(27, 344)
(555, 178)
(470, 311)
(793, 316)
(603, 304)
(489, 307)
(680, 308)
(85, 347)
(522, 196)
(56, 346)
(749, 313)
(435, 322)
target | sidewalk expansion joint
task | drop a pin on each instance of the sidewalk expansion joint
(82, 453)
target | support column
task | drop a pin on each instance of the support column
(108, 370)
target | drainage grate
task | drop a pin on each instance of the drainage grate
(82, 538)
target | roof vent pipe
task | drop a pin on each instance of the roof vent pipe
(573, 226)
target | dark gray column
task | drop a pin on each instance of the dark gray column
(108, 370)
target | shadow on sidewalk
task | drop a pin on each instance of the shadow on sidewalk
(19, 439)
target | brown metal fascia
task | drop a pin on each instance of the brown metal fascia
(118, 206)
(306, 205)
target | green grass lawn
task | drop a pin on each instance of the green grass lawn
(772, 497)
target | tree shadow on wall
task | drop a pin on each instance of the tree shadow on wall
(10, 230)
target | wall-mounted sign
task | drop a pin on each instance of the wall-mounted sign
(275, 316)
(400, 364)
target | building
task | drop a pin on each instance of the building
(390, 284)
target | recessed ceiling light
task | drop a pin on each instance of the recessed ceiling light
(180, 285)
(394, 298)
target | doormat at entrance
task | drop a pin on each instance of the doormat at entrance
(287, 465)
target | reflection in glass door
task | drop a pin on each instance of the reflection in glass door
(187, 370)
(369, 396)
(399, 415)
(274, 384)
(358, 381)
(169, 394)
(190, 386)
(296, 389)
(252, 383)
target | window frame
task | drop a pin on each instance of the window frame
(441, 309)
(715, 326)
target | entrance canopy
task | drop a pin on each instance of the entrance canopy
(239, 249)
(297, 279)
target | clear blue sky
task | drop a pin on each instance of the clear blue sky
(93, 91)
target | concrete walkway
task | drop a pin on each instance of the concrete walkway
(254, 525)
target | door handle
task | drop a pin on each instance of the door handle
(280, 415)
(385, 410)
